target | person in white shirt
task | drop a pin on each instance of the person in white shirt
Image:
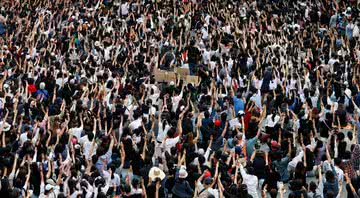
(250, 180)
(27, 135)
(76, 131)
(175, 99)
(135, 124)
(125, 9)
(335, 162)
(88, 145)
(170, 141)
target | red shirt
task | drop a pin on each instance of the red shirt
(247, 119)
(31, 88)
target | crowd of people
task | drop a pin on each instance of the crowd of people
(275, 112)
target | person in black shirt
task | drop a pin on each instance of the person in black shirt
(193, 56)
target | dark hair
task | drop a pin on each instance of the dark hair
(250, 170)
(201, 159)
(337, 161)
(330, 177)
(330, 194)
(312, 186)
(90, 136)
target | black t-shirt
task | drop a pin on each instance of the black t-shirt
(151, 191)
(193, 54)
(169, 57)
(192, 178)
(342, 117)
(314, 16)
(259, 167)
(137, 164)
(271, 180)
(325, 18)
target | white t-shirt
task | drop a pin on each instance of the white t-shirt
(171, 142)
(154, 98)
(135, 124)
(23, 138)
(60, 80)
(162, 132)
(356, 31)
(83, 139)
(273, 84)
(113, 182)
(205, 34)
(125, 9)
(87, 148)
(107, 53)
(339, 173)
(175, 100)
(76, 132)
(206, 56)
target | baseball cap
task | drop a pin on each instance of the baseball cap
(208, 180)
(217, 123)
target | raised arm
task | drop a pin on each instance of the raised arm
(48, 174)
(253, 154)
(216, 175)
(328, 157)
(304, 149)
(14, 164)
(353, 190)
(143, 154)
(290, 146)
(225, 129)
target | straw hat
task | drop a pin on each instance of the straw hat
(156, 172)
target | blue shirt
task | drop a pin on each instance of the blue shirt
(238, 104)
(106, 157)
(42, 92)
(281, 166)
(2, 28)
(249, 145)
(206, 121)
(293, 105)
(349, 31)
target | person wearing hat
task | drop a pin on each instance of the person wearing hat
(218, 143)
(5, 126)
(156, 175)
(182, 187)
(49, 189)
(42, 93)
